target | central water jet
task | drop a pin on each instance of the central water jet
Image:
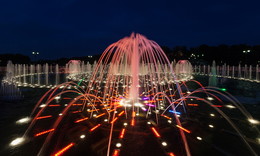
(135, 60)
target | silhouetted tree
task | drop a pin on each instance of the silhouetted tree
(15, 58)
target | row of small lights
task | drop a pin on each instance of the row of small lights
(26, 120)
(194, 56)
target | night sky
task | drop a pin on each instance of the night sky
(65, 28)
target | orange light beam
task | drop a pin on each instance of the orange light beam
(155, 132)
(166, 117)
(43, 117)
(171, 154)
(53, 105)
(80, 120)
(92, 129)
(77, 104)
(116, 152)
(193, 105)
(114, 120)
(100, 115)
(76, 112)
(93, 110)
(132, 122)
(133, 114)
(44, 132)
(184, 129)
(111, 110)
(64, 149)
(122, 133)
(91, 105)
(121, 113)
(66, 98)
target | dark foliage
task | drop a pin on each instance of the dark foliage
(15, 58)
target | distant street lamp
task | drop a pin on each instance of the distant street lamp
(246, 52)
(35, 53)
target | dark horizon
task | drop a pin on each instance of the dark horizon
(79, 28)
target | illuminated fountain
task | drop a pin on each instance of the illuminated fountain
(9, 90)
(57, 75)
(239, 72)
(46, 73)
(41, 75)
(76, 70)
(183, 70)
(132, 90)
(22, 75)
(10, 72)
(213, 75)
(257, 73)
(73, 67)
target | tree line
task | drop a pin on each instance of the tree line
(203, 54)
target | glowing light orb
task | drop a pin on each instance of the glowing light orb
(253, 121)
(118, 145)
(17, 141)
(223, 89)
(42, 105)
(138, 105)
(199, 138)
(82, 136)
(212, 114)
(164, 143)
(230, 106)
(125, 103)
(210, 98)
(23, 120)
(211, 126)
(144, 109)
(178, 113)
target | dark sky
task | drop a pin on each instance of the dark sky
(60, 28)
